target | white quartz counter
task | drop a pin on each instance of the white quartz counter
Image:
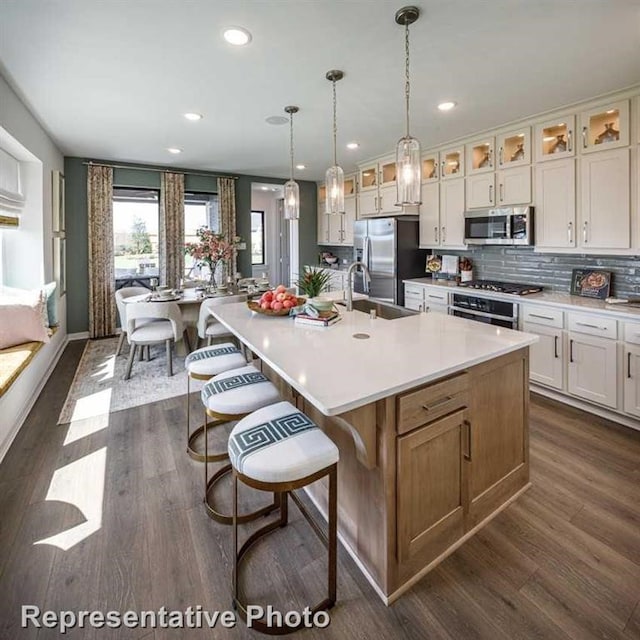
(544, 298)
(337, 372)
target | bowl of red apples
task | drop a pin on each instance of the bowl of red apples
(275, 302)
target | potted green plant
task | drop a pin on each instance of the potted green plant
(313, 281)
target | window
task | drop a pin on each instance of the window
(257, 237)
(135, 235)
(200, 210)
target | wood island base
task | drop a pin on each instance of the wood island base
(421, 471)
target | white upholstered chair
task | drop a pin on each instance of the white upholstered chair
(209, 328)
(121, 294)
(166, 326)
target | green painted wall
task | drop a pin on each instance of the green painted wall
(77, 228)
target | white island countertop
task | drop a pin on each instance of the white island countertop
(337, 372)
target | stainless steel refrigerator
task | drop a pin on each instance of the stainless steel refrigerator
(389, 248)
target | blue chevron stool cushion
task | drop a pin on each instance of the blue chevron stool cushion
(238, 391)
(210, 361)
(279, 443)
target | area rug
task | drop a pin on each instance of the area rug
(99, 388)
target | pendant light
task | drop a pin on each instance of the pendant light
(408, 149)
(334, 178)
(291, 190)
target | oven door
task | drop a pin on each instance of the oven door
(487, 318)
(488, 226)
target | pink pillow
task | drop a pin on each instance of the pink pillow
(21, 322)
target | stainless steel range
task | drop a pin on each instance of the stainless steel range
(502, 287)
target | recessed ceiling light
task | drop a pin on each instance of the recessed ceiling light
(301, 166)
(174, 150)
(352, 145)
(446, 106)
(237, 36)
(193, 116)
(276, 120)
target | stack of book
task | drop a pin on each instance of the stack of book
(323, 319)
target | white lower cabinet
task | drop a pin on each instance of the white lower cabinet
(632, 379)
(592, 370)
(436, 300)
(546, 360)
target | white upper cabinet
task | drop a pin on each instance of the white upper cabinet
(430, 215)
(481, 191)
(452, 213)
(605, 205)
(480, 156)
(605, 127)
(555, 138)
(377, 193)
(514, 148)
(555, 201)
(452, 163)
(514, 186)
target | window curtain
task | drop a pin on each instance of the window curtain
(102, 302)
(227, 212)
(171, 229)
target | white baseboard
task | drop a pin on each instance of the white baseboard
(82, 335)
(22, 416)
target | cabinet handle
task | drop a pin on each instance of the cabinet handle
(501, 192)
(429, 407)
(584, 137)
(436, 233)
(435, 170)
(435, 297)
(535, 315)
(467, 453)
(500, 158)
(570, 232)
(380, 204)
(490, 193)
(570, 140)
(570, 350)
(629, 365)
(444, 234)
(591, 326)
(555, 346)
(375, 203)
(442, 169)
(584, 231)
(491, 157)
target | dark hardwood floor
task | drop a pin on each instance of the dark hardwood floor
(563, 561)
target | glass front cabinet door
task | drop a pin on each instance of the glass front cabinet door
(555, 139)
(369, 177)
(452, 163)
(430, 168)
(480, 156)
(605, 127)
(514, 148)
(388, 172)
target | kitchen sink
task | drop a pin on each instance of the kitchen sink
(384, 310)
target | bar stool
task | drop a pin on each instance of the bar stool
(232, 395)
(280, 449)
(204, 364)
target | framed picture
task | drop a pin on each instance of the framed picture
(59, 263)
(590, 283)
(57, 201)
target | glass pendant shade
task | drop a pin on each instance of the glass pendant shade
(408, 171)
(334, 182)
(291, 200)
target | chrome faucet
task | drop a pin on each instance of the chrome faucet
(366, 277)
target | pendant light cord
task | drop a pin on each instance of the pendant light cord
(407, 86)
(335, 127)
(291, 143)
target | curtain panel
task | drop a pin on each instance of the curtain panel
(227, 210)
(102, 303)
(171, 229)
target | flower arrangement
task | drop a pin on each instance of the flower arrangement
(211, 249)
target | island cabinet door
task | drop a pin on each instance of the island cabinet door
(431, 493)
(497, 439)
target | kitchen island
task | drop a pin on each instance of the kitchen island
(430, 413)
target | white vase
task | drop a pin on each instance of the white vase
(466, 276)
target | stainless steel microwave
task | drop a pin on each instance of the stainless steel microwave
(502, 225)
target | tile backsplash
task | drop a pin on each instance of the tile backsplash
(553, 271)
(343, 253)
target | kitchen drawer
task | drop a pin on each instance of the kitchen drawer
(414, 290)
(543, 315)
(593, 325)
(425, 405)
(435, 295)
(632, 332)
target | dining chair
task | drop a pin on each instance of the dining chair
(209, 328)
(121, 294)
(166, 326)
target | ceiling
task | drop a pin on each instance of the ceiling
(111, 79)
